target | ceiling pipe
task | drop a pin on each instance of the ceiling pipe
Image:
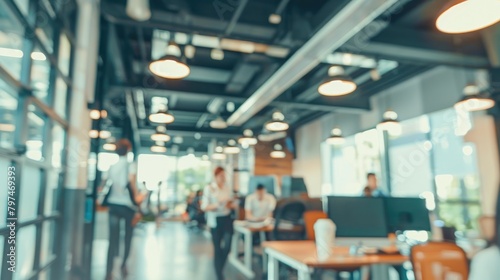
(236, 16)
(347, 23)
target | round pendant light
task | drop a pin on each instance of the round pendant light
(278, 152)
(248, 139)
(104, 134)
(138, 10)
(277, 123)
(218, 153)
(336, 137)
(160, 134)
(390, 123)
(474, 100)
(462, 16)
(109, 147)
(93, 133)
(218, 123)
(338, 84)
(231, 148)
(159, 147)
(170, 66)
(162, 116)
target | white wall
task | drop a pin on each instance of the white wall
(432, 91)
(308, 163)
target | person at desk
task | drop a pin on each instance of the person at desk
(259, 205)
(217, 202)
(372, 184)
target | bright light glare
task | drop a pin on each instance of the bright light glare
(468, 16)
(337, 87)
(169, 69)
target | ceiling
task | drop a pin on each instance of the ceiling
(400, 43)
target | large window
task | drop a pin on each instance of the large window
(353, 160)
(32, 50)
(427, 158)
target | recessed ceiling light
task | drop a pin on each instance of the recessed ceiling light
(274, 18)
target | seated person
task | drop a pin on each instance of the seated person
(259, 205)
(372, 184)
(367, 192)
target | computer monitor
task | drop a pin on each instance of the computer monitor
(269, 182)
(292, 186)
(406, 213)
(358, 217)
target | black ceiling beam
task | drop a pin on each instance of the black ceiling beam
(178, 22)
(189, 132)
(421, 47)
(208, 96)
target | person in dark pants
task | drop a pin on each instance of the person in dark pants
(121, 200)
(217, 202)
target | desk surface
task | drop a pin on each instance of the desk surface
(305, 252)
(253, 229)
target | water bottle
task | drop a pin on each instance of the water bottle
(324, 231)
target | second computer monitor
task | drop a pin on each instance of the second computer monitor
(407, 213)
(358, 216)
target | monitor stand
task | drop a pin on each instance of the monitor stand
(377, 242)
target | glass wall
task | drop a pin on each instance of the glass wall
(35, 51)
(427, 158)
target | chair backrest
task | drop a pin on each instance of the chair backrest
(289, 224)
(439, 260)
(310, 218)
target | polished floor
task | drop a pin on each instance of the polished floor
(168, 252)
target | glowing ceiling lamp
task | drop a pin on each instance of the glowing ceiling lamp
(338, 84)
(218, 123)
(159, 147)
(248, 139)
(474, 100)
(171, 65)
(336, 137)
(462, 16)
(104, 134)
(96, 114)
(161, 134)
(278, 152)
(231, 148)
(162, 116)
(138, 10)
(93, 133)
(219, 153)
(109, 147)
(390, 123)
(277, 123)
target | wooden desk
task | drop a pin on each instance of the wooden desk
(301, 255)
(245, 267)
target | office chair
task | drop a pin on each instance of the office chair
(439, 260)
(310, 218)
(289, 223)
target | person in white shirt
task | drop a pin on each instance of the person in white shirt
(122, 198)
(259, 205)
(217, 202)
(486, 264)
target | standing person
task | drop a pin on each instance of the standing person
(259, 205)
(122, 200)
(217, 202)
(372, 183)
